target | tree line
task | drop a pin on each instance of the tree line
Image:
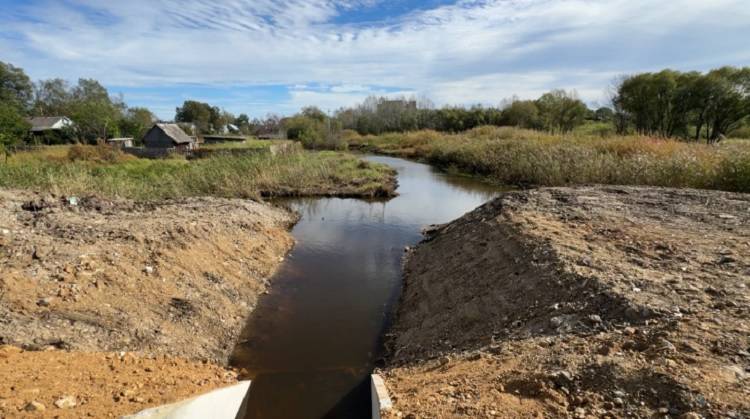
(95, 113)
(689, 105)
(692, 105)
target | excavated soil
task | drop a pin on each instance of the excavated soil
(172, 280)
(579, 302)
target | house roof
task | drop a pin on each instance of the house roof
(176, 133)
(44, 123)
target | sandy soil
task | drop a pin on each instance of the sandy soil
(59, 384)
(177, 278)
(579, 302)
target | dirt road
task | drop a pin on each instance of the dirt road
(173, 281)
(579, 302)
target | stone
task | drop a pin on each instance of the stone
(45, 302)
(149, 270)
(34, 406)
(66, 402)
(691, 415)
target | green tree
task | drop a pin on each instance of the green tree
(198, 113)
(136, 122)
(561, 111)
(52, 98)
(15, 87)
(13, 127)
(522, 113)
(95, 114)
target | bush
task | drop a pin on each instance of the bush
(97, 153)
(522, 157)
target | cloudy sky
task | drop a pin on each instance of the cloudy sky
(260, 56)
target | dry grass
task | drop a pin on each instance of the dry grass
(522, 157)
(83, 172)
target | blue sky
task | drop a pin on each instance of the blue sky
(262, 56)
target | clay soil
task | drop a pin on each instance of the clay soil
(83, 280)
(579, 302)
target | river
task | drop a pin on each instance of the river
(312, 342)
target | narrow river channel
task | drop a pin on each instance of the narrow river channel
(311, 343)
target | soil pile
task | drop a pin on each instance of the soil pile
(57, 384)
(174, 278)
(580, 302)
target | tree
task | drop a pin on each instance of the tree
(522, 113)
(688, 105)
(604, 114)
(95, 114)
(52, 98)
(15, 87)
(136, 122)
(198, 113)
(561, 111)
(13, 126)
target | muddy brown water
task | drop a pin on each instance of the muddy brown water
(312, 342)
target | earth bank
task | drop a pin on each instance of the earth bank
(107, 297)
(578, 302)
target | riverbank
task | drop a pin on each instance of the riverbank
(107, 172)
(578, 302)
(172, 279)
(513, 156)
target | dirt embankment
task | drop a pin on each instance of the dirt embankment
(579, 302)
(85, 279)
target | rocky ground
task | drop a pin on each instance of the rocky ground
(82, 276)
(579, 302)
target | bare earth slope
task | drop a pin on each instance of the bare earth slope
(176, 279)
(581, 302)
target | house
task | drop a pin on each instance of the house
(40, 124)
(229, 129)
(168, 136)
(120, 142)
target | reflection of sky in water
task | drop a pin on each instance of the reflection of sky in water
(330, 299)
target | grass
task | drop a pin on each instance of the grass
(235, 145)
(522, 157)
(56, 170)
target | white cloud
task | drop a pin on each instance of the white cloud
(473, 51)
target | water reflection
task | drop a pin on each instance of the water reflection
(312, 342)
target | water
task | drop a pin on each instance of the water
(311, 344)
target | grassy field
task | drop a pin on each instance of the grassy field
(85, 170)
(525, 158)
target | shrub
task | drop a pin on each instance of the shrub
(101, 153)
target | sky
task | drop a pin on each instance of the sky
(271, 56)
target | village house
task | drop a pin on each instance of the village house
(169, 136)
(51, 129)
(40, 124)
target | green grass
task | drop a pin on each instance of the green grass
(530, 158)
(241, 176)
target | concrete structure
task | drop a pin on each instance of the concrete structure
(381, 401)
(225, 403)
(169, 136)
(120, 142)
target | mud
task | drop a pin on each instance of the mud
(579, 302)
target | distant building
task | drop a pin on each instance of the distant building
(120, 142)
(168, 136)
(397, 104)
(40, 124)
(230, 129)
